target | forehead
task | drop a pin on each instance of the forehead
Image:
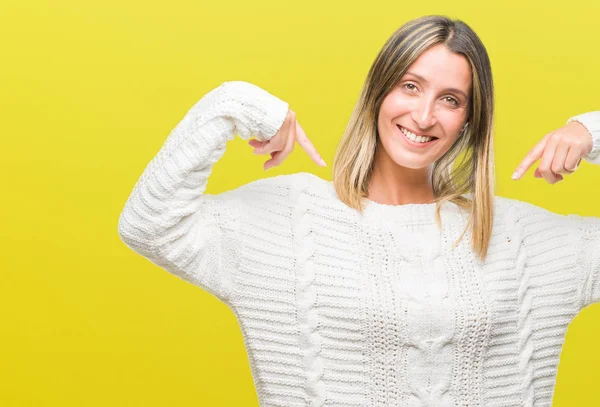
(442, 68)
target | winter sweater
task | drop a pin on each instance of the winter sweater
(339, 308)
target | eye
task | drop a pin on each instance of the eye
(410, 86)
(453, 101)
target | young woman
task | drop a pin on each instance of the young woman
(404, 282)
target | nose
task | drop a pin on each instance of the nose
(423, 113)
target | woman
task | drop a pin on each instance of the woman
(403, 282)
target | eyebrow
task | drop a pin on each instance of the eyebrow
(447, 89)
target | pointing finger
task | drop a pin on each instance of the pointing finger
(532, 156)
(305, 143)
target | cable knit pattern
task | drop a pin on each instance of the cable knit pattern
(525, 328)
(308, 318)
(430, 329)
(338, 308)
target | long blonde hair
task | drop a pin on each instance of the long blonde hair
(468, 166)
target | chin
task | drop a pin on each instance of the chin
(412, 164)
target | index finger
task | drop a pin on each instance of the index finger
(305, 143)
(532, 156)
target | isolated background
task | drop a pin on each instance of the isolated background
(90, 91)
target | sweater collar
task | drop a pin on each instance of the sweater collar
(409, 213)
(406, 213)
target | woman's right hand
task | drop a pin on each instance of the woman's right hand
(282, 143)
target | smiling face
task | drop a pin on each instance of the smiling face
(430, 100)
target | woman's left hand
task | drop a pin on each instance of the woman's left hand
(560, 151)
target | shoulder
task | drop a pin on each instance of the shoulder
(531, 216)
(276, 190)
(509, 206)
(291, 182)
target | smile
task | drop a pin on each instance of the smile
(415, 141)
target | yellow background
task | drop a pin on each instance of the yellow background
(90, 90)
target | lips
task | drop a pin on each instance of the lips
(424, 135)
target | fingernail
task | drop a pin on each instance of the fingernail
(515, 175)
(323, 163)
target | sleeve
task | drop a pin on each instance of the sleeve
(167, 218)
(591, 121)
(589, 229)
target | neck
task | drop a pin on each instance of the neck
(392, 184)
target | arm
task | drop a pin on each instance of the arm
(591, 121)
(590, 226)
(560, 257)
(167, 218)
(589, 229)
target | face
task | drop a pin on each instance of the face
(430, 100)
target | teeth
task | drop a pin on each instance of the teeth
(418, 139)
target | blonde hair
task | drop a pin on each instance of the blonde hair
(451, 178)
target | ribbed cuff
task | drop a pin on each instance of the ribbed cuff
(591, 121)
(264, 112)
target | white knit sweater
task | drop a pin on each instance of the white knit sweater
(339, 309)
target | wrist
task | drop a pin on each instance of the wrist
(591, 122)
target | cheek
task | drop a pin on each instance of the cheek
(394, 105)
(452, 122)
